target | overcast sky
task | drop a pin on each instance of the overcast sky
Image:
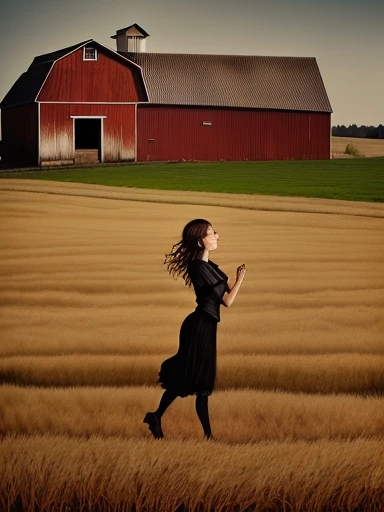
(345, 36)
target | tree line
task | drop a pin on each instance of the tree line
(367, 132)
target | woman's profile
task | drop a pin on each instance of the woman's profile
(192, 370)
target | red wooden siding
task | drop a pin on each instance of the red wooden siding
(176, 134)
(19, 127)
(57, 131)
(320, 136)
(103, 80)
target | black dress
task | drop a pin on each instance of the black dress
(192, 370)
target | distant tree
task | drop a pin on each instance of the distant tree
(369, 132)
(372, 133)
(339, 131)
(354, 130)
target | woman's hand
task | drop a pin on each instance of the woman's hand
(228, 298)
(240, 272)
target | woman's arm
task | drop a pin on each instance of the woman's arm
(229, 297)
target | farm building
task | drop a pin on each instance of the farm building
(88, 103)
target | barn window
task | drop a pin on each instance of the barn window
(90, 53)
(207, 123)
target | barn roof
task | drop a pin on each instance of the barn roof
(281, 83)
(56, 55)
(28, 85)
(26, 89)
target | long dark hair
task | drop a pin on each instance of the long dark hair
(189, 248)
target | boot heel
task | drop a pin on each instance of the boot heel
(154, 424)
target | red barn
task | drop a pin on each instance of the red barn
(88, 103)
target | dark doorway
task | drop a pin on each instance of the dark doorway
(88, 137)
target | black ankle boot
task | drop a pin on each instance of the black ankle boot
(154, 424)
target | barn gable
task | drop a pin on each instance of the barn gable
(29, 84)
(60, 76)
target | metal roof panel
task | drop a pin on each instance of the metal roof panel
(286, 83)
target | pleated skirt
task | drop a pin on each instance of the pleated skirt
(192, 370)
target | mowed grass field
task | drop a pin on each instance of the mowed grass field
(88, 313)
(347, 179)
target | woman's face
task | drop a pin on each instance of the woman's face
(211, 238)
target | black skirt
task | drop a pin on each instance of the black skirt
(193, 369)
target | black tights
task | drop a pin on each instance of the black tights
(203, 414)
(201, 409)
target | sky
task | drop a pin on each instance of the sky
(345, 36)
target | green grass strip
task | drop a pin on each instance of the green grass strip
(347, 179)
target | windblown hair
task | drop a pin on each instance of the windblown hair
(188, 249)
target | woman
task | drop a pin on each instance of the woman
(192, 370)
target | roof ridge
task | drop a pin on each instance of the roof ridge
(220, 55)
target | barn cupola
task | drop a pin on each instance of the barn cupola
(131, 39)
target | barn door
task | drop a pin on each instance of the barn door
(88, 140)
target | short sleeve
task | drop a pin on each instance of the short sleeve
(202, 274)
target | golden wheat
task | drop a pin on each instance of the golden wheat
(46, 330)
(366, 147)
(57, 473)
(85, 275)
(85, 301)
(240, 416)
(328, 373)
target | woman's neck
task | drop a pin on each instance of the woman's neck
(205, 255)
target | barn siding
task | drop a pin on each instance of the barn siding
(178, 133)
(321, 136)
(19, 127)
(57, 131)
(104, 80)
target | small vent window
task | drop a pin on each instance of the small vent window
(90, 53)
(134, 44)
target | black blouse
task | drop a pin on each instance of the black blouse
(210, 284)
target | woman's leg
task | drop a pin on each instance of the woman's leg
(154, 418)
(203, 414)
(165, 401)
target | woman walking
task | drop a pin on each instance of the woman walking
(192, 370)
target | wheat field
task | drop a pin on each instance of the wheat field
(88, 313)
(366, 147)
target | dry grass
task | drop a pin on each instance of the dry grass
(366, 147)
(238, 416)
(325, 373)
(87, 305)
(125, 475)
